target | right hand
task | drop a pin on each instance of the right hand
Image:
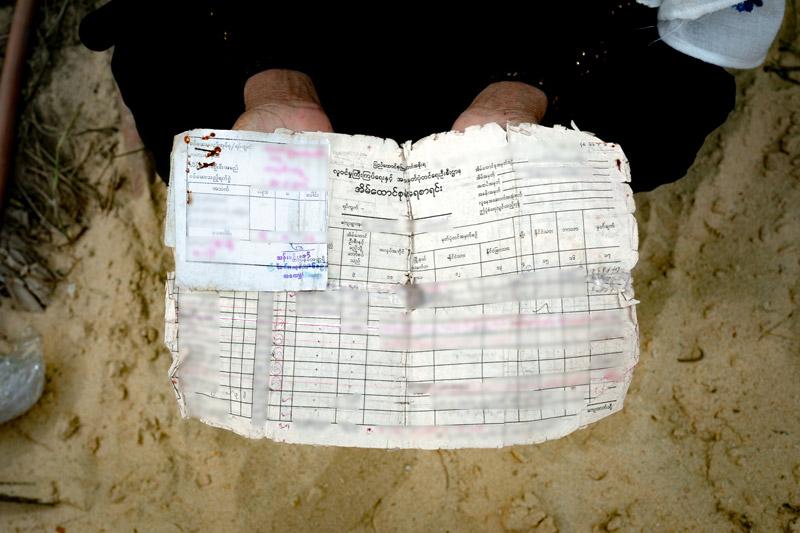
(278, 98)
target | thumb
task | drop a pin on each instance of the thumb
(504, 102)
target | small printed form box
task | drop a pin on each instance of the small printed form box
(251, 211)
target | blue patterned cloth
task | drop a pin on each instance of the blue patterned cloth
(748, 5)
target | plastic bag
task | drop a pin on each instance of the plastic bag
(21, 377)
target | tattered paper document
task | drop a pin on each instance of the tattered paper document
(252, 214)
(478, 294)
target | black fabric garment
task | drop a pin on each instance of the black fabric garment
(409, 72)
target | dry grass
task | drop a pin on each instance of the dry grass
(51, 194)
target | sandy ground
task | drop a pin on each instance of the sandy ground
(707, 444)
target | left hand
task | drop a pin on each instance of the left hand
(504, 102)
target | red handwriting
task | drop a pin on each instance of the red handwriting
(210, 251)
(292, 152)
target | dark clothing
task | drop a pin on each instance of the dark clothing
(182, 64)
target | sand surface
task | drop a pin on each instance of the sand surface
(709, 438)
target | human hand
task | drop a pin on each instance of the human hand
(278, 98)
(504, 102)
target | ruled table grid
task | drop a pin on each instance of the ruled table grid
(238, 314)
(321, 372)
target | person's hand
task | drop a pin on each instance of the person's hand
(504, 102)
(279, 98)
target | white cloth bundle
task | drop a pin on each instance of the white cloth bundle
(715, 31)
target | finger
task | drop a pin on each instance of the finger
(280, 98)
(507, 102)
(279, 86)
(268, 117)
